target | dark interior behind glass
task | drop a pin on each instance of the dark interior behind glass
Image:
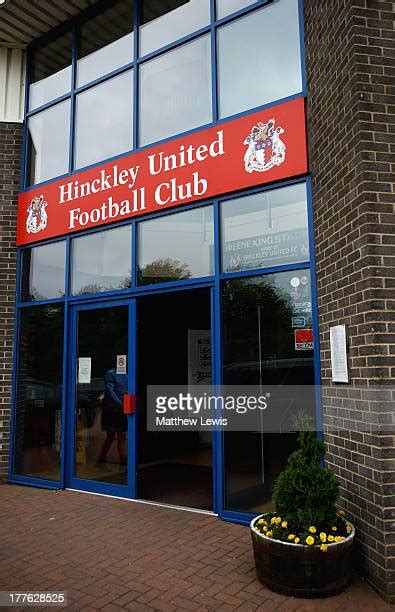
(106, 27)
(38, 410)
(174, 467)
(51, 57)
(152, 9)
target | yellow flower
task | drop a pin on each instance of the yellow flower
(284, 524)
(297, 540)
(278, 520)
(323, 536)
(269, 534)
(330, 538)
(261, 522)
(342, 513)
(312, 529)
(273, 520)
(291, 536)
(349, 528)
(265, 529)
(339, 539)
(334, 528)
(309, 540)
(324, 547)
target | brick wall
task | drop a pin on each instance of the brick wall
(10, 165)
(351, 95)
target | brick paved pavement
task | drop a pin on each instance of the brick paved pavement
(114, 555)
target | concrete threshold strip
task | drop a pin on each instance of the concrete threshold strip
(146, 502)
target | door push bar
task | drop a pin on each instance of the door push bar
(129, 404)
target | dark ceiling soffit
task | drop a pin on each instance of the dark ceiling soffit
(91, 11)
(11, 20)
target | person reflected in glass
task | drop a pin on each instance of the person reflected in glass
(113, 420)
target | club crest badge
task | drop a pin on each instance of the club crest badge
(37, 217)
(265, 147)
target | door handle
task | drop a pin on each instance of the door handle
(129, 404)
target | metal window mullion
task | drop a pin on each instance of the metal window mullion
(214, 62)
(134, 254)
(175, 44)
(243, 11)
(217, 364)
(63, 436)
(48, 105)
(67, 283)
(104, 77)
(136, 85)
(302, 47)
(314, 309)
(73, 96)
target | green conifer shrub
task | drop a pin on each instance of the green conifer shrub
(306, 493)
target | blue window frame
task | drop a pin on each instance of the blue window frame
(135, 289)
(136, 63)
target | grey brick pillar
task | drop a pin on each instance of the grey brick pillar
(10, 171)
(351, 95)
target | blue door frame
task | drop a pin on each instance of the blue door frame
(71, 481)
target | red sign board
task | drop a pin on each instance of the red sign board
(304, 340)
(265, 146)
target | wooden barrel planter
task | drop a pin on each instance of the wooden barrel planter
(302, 571)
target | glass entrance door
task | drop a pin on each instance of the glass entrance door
(102, 457)
(174, 467)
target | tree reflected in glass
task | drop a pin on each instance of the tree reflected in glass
(164, 269)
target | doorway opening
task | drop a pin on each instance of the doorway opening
(174, 332)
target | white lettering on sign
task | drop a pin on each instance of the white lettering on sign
(76, 190)
(186, 156)
(157, 163)
(172, 192)
(108, 210)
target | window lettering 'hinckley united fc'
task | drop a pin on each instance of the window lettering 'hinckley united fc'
(195, 167)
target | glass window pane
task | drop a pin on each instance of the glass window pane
(226, 7)
(259, 348)
(38, 407)
(101, 443)
(104, 120)
(49, 137)
(175, 91)
(177, 246)
(102, 261)
(105, 42)
(265, 229)
(43, 272)
(273, 73)
(50, 71)
(163, 23)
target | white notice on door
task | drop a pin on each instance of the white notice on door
(121, 364)
(339, 353)
(199, 357)
(84, 369)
